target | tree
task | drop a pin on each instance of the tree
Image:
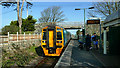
(52, 15)
(12, 29)
(27, 24)
(14, 23)
(19, 15)
(104, 8)
(19, 9)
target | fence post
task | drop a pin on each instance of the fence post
(40, 36)
(8, 37)
(24, 36)
(34, 35)
(29, 36)
(37, 35)
(17, 36)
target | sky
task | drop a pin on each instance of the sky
(68, 8)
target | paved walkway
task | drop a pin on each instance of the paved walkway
(75, 57)
(83, 58)
(108, 60)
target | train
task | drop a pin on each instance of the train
(54, 39)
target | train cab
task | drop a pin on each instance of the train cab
(52, 40)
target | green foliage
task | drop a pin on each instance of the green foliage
(21, 57)
(14, 23)
(18, 7)
(27, 32)
(32, 49)
(27, 24)
(3, 50)
(7, 64)
(33, 44)
(12, 29)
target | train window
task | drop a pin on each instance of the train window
(44, 29)
(58, 29)
(44, 35)
(59, 36)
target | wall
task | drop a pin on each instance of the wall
(18, 37)
(22, 44)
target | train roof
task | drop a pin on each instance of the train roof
(53, 25)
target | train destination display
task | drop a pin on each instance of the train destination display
(97, 21)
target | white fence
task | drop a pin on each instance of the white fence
(18, 37)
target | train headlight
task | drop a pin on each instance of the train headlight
(44, 41)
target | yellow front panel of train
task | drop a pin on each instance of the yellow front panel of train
(51, 38)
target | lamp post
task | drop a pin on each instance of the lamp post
(84, 16)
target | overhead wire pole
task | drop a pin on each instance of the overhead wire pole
(28, 3)
(84, 25)
(84, 19)
(100, 37)
(100, 44)
(27, 10)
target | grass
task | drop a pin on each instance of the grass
(7, 63)
(32, 49)
(27, 32)
(19, 58)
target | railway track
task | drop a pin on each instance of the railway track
(47, 62)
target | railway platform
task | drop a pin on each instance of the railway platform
(75, 57)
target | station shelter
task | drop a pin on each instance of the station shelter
(113, 23)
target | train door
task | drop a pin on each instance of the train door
(51, 38)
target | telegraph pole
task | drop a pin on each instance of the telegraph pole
(27, 10)
(28, 4)
(84, 30)
(84, 25)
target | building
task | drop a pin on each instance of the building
(113, 23)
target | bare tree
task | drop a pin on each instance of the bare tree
(9, 3)
(52, 15)
(104, 8)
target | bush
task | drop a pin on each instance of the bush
(27, 32)
(12, 29)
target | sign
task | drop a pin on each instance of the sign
(97, 21)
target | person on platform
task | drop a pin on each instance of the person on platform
(88, 42)
(95, 41)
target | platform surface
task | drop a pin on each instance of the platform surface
(73, 56)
